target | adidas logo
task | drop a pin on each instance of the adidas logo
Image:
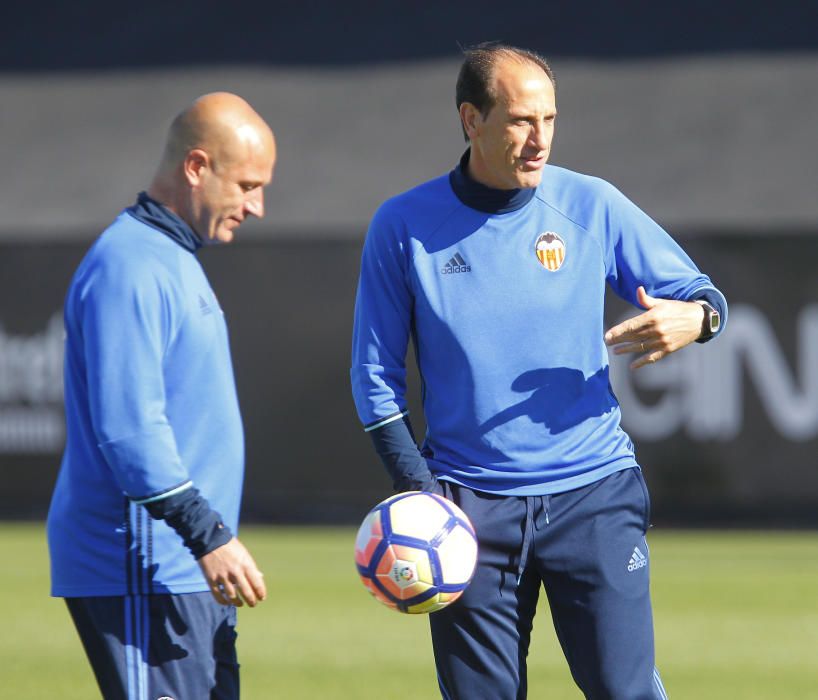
(637, 560)
(455, 265)
(204, 307)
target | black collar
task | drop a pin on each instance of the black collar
(152, 213)
(482, 198)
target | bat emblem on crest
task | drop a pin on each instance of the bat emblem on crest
(550, 249)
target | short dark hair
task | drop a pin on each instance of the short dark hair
(474, 79)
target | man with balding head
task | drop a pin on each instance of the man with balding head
(142, 520)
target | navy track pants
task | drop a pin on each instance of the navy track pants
(587, 549)
(176, 647)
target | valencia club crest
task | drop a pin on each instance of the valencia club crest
(550, 249)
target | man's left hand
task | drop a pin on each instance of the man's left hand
(667, 326)
(233, 576)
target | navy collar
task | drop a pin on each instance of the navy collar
(486, 199)
(153, 214)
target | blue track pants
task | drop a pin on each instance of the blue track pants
(587, 549)
(177, 647)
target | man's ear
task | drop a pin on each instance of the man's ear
(471, 119)
(195, 163)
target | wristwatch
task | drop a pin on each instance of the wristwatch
(711, 322)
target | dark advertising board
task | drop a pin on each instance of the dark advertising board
(727, 432)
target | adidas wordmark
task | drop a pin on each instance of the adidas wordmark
(455, 265)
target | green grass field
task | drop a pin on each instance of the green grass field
(736, 617)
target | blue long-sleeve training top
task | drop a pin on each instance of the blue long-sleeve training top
(151, 411)
(502, 295)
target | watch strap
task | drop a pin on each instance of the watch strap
(711, 323)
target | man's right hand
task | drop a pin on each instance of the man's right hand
(233, 576)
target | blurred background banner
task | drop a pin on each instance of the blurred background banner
(727, 432)
(703, 114)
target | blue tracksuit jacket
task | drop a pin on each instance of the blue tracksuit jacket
(505, 308)
(151, 409)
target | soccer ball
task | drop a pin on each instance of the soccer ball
(416, 552)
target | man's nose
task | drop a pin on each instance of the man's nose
(254, 204)
(540, 134)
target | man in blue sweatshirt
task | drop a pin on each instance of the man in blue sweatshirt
(497, 274)
(142, 522)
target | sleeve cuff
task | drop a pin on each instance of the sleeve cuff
(190, 515)
(395, 444)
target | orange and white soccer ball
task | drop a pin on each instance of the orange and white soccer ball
(416, 552)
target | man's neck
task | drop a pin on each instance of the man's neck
(479, 196)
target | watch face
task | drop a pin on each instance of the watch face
(711, 321)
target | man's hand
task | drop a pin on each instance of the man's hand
(233, 576)
(666, 326)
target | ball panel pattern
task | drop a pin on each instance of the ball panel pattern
(458, 555)
(415, 552)
(369, 536)
(403, 516)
